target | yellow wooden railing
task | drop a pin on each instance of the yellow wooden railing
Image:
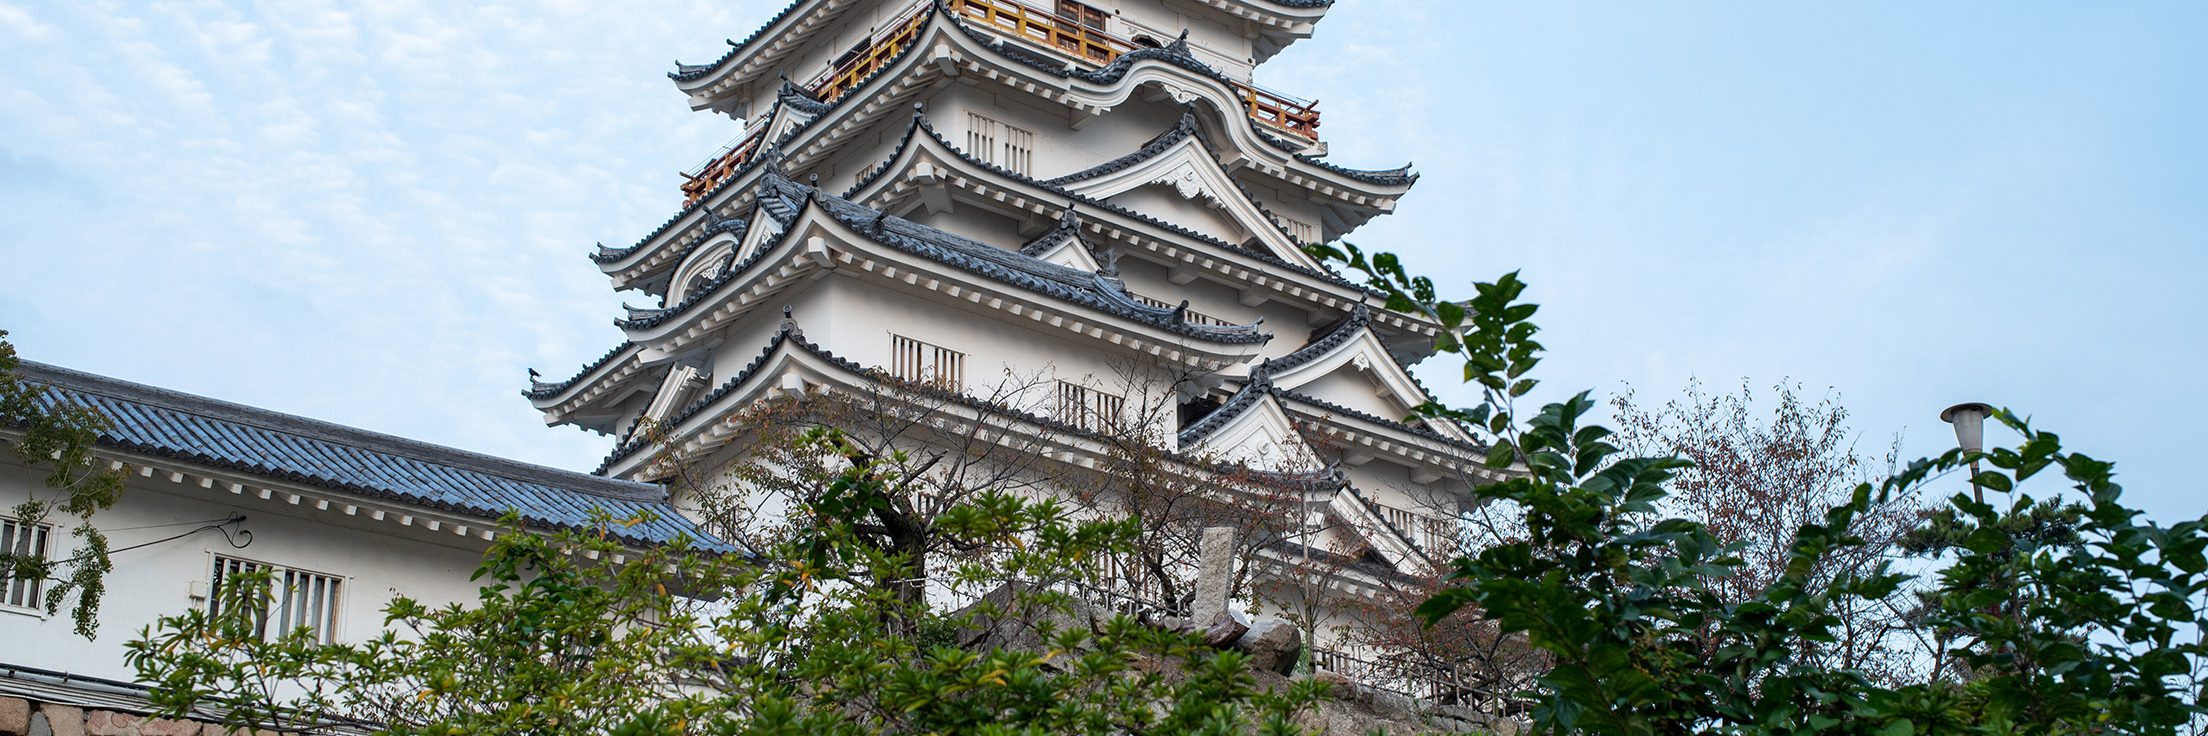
(696, 184)
(883, 47)
(1050, 31)
(1042, 28)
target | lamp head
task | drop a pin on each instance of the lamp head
(1969, 419)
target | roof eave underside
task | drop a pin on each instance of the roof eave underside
(709, 85)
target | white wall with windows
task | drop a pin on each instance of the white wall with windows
(335, 576)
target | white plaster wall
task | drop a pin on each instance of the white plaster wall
(1000, 351)
(1347, 387)
(157, 580)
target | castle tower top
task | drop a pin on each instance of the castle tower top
(828, 45)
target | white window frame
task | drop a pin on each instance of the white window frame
(1000, 144)
(21, 595)
(1089, 408)
(305, 598)
(926, 363)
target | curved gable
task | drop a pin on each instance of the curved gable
(1179, 163)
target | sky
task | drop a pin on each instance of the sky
(378, 215)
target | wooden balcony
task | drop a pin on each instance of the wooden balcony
(1085, 43)
(869, 56)
(698, 182)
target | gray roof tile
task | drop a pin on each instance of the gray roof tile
(257, 441)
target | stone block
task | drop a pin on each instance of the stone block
(63, 720)
(167, 727)
(110, 723)
(1214, 575)
(15, 716)
(1225, 631)
(1273, 644)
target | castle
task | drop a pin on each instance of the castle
(1050, 231)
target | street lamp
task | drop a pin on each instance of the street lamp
(1969, 419)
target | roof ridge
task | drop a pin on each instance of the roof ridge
(310, 428)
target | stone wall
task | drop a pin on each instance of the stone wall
(21, 717)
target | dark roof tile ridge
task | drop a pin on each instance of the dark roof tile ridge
(1417, 429)
(743, 375)
(1342, 331)
(1182, 130)
(316, 429)
(1268, 258)
(605, 255)
(539, 390)
(1024, 270)
(1068, 226)
(1400, 176)
(794, 97)
(1259, 386)
(639, 319)
(688, 72)
(1400, 534)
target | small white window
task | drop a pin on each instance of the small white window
(920, 362)
(1089, 408)
(24, 541)
(300, 599)
(1005, 146)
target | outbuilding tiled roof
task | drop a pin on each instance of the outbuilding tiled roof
(255, 441)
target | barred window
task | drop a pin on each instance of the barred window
(1089, 408)
(1006, 146)
(299, 599)
(23, 540)
(1434, 535)
(920, 362)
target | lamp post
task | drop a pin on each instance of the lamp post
(1969, 419)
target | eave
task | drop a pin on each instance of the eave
(713, 86)
(817, 242)
(924, 166)
(790, 366)
(1433, 451)
(1351, 344)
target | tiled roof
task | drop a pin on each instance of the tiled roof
(541, 389)
(921, 126)
(250, 440)
(686, 72)
(771, 152)
(1259, 386)
(1178, 55)
(1325, 340)
(784, 199)
(795, 337)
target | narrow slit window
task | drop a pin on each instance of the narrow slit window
(933, 365)
(1004, 146)
(1088, 408)
(24, 541)
(297, 599)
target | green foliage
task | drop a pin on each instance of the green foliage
(61, 438)
(2063, 618)
(815, 636)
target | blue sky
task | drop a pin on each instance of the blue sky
(377, 215)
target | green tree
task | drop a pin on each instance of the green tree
(810, 636)
(2096, 630)
(59, 437)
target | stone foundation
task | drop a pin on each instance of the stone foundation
(21, 717)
